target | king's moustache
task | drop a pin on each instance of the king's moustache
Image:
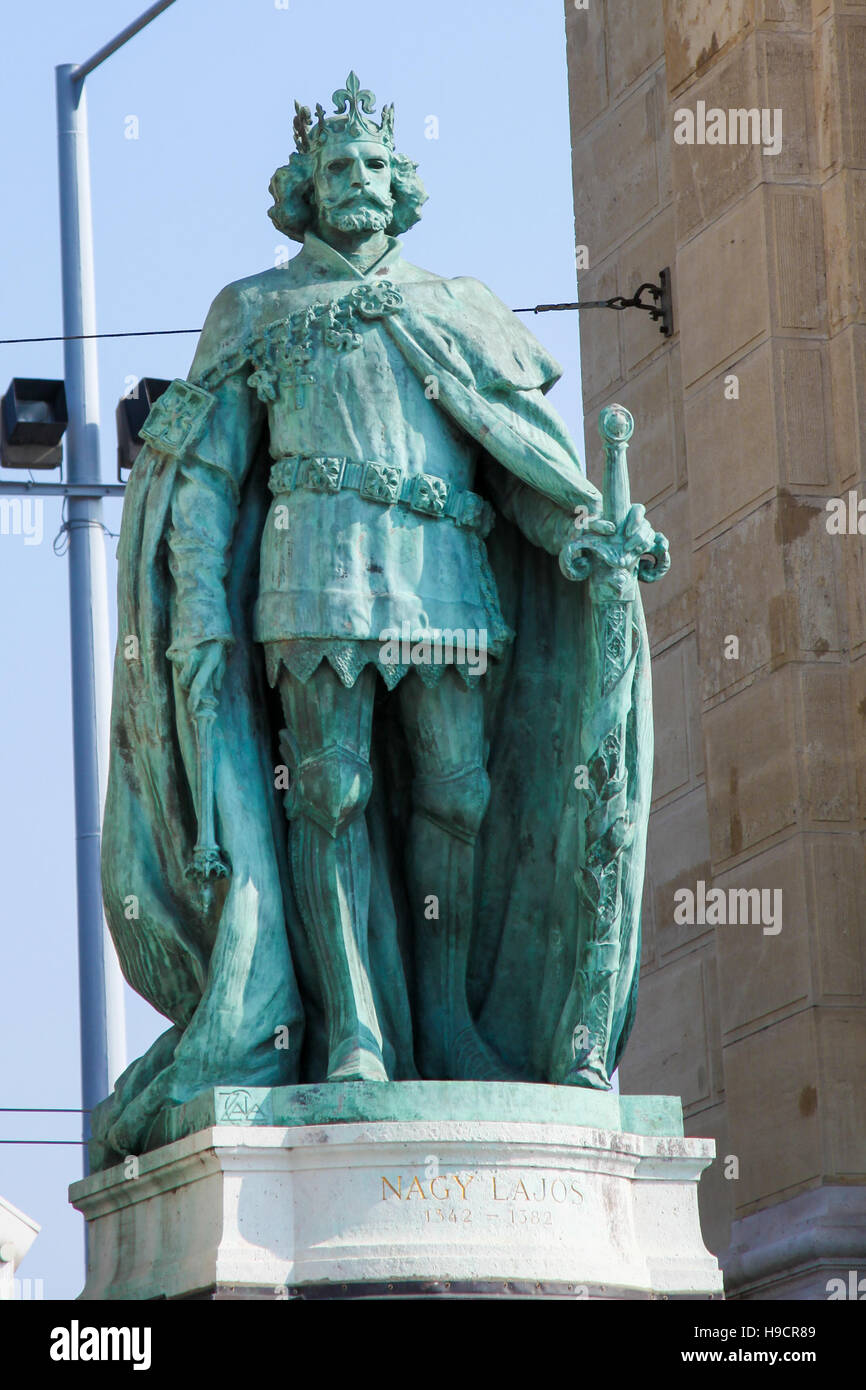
(362, 200)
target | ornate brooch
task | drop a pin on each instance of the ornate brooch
(282, 353)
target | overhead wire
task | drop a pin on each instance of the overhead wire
(43, 1110)
(163, 332)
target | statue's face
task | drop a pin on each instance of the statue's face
(353, 186)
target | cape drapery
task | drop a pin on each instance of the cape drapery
(228, 966)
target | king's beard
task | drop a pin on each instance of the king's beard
(364, 220)
(368, 216)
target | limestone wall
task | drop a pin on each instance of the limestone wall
(760, 780)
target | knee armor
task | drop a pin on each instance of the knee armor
(456, 801)
(331, 786)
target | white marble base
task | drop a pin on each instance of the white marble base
(387, 1209)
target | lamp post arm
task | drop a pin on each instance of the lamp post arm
(79, 73)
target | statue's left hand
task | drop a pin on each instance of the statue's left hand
(632, 546)
(633, 537)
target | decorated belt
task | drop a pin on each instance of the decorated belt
(386, 484)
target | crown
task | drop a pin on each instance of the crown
(353, 107)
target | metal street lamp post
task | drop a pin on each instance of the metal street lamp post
(103, 1044)
(100, 981)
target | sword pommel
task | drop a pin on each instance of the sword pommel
(616, 426)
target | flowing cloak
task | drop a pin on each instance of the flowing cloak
(227, 964)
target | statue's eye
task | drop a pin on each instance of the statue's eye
(336, 165)
(375, 164)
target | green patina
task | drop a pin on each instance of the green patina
(407, 1102)
(454, 719)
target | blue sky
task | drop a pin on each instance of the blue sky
(178, 213)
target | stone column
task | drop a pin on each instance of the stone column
(747, 421)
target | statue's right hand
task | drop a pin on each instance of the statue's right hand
(201, 673)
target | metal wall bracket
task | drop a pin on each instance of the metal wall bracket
(660, 306)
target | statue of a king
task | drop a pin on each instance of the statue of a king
(380, 773)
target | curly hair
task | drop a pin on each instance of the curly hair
(294, 210)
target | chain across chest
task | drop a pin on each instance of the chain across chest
(283, 352)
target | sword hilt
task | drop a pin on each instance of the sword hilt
(616, 427)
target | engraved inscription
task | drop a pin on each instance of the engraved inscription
(518, 1199)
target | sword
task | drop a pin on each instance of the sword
(612, 558)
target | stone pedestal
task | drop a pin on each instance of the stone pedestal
(810, 1248)
(406, 1189)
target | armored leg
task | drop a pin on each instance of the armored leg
(445, 732)
(326, 746)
